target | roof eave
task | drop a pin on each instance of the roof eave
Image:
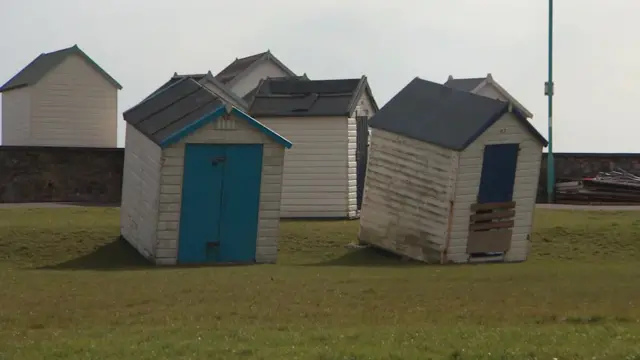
(13, 87)
(105, 74)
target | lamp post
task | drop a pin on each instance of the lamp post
(548, 90)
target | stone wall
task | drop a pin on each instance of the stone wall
(575, 166)
(60, 174)
(94, 175)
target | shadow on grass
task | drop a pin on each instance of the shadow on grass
(369, 256)
(120, 255)
(116, 255)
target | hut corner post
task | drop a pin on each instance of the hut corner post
(443, 254)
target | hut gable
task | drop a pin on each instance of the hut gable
(182, 108)
(241, 66)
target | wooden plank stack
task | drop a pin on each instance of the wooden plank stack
(617, 187)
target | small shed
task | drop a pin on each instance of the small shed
(202, 180)
(452, 177)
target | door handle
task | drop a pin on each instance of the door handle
(213, 244)
(217, 160)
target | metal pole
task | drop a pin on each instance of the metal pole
(549, 88)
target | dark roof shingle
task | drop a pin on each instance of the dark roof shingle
(199, 78)
(183, 103)
(40, 66)
(437, 114)
(301, 97)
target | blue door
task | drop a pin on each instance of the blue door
(240, 203)
(498, 173)
(220, 202)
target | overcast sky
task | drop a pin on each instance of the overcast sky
(141, 43)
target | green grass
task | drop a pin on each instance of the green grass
(71, 290)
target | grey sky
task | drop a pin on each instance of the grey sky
(141, 43)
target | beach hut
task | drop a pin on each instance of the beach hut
(451, 177)
(327, 120)
(202, 180)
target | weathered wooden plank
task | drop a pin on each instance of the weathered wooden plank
(493, 206)
(495, 215)
(491, 225)
(489, 241)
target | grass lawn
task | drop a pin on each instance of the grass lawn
(70, 290)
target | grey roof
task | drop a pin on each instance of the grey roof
(467, 84)
(240, 65)
(169, 111)
(300, 97)
(251, 94)
(437, 114)
(199, 78)
(174, 79)
(46, 62)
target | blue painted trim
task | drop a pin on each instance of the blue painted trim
(265, 130)
(213, 116)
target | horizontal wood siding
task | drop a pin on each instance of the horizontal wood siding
(16, 116)
(408, 189)
(318, 169)
(236, 131)
(73, 105)
(352, 169)
(140, 192)
(504, 131)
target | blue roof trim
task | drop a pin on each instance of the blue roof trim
(265, 130)
(519, 114)
(213, 116)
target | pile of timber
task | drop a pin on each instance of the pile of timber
(618, 187)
